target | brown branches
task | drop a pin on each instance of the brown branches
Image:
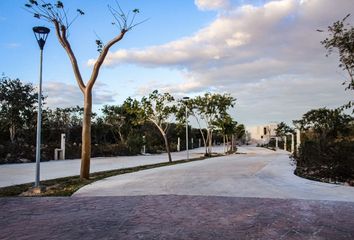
(52, 12)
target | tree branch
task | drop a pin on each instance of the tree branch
(61, 34)
(101, 58)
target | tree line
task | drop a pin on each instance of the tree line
(156, 121)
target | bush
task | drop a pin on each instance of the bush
(323, 159)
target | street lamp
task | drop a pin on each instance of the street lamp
(41, 34)
(186, 99)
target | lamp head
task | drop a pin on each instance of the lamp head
(41, 34)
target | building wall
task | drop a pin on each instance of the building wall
(261, 134)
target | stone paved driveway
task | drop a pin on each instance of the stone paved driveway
(174, 217)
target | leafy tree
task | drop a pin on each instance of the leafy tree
(227, 127)
(327, 146)
(326, 123)
(62, 120)
(157, 108)
(240, 131)
(283, 129)
(210, 108)
(115, 116)
(56, 14)
(16, 105)
(341, 39)
(189, 106)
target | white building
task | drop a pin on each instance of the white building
(261, 134)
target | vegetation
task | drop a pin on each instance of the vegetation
(157, 108)
(341, 39)
(212, 109)
(327, 147)
(117, 130)
(16, 106)
(282, 131)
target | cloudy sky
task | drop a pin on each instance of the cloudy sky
(267, 54)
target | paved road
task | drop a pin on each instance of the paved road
(259, 173)
(174, 217)
(13, 174)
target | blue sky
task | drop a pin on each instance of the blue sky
(265, 53)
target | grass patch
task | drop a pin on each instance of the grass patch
(68, 185)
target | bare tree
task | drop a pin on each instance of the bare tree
(57, 15)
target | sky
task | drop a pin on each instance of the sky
(265, 53)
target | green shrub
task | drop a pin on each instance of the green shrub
(325, 159)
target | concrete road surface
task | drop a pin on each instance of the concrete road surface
(259, 173)
(13, 174)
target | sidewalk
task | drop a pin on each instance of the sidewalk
(13, 174)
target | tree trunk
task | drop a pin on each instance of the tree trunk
(210, 141)
(167, 147)
(12, 130)
(164, 138)
(121, 136)
(203, 137)
(227, 143)
(206, 144)
(86, 136)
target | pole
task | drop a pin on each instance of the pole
(39, 123)
(298, 139)
(187, 133)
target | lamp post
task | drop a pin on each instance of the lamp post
(41, 34)
(186, 99)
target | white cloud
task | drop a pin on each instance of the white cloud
(12, 45)
(211, 4)
(59, 94)
(268, 56)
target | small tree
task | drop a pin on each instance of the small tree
(56, 14)
(341, 38)
(157, 108)
(227, 128)
(240, 132)
(326, 123)
(283, 129)
(16, 105)
(115, 116)
(210, 108)
(191, 111)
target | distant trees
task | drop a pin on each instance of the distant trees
(17, 108)
(157, 108)
(227, 127)
(212, 108)
(240, 132)
(283, 129)
(116, 118)
(62, 120)
(326, 123)
(117, 130)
